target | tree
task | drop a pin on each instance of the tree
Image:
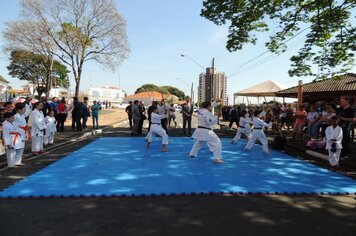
(330, 39)
(175, 91)
(162, 89)
(35, 68)
(75, 31)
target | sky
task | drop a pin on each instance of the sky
(159, 31)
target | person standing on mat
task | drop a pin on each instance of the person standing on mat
(204, 133)
(257, 133)
(13, 142)
(187, 111)
(244, 127)
(135, 117)
(334, 135)
(156, 129)
(163, 109)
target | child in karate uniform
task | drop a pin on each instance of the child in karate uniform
(156, 128)
(244, 127)
(257, 133)
(50, 128)
(204, 133)
(333, 134)
(13, 142)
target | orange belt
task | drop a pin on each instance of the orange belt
(17, 134)
(27, 130)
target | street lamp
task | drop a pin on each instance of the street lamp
(184, 55)
(191, 89)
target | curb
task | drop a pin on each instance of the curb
(30, 156)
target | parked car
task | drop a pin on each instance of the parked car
(179, 108)
(195, 109)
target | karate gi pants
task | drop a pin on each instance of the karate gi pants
(37, 143)
(213, 143)
(241, 131)
(48, 138)
(334, 157)
(14, 156)
(258, 135)
(157, 130)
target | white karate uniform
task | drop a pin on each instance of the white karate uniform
(207, 120)
(258, 134)
(50, 130)
(38, 126)
(336, 134)
(12, 136)
(156, 128)
(244, 128)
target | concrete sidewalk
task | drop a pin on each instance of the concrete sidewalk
(108, 119)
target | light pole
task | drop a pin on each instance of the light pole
(191, 89)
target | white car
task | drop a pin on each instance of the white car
(179, 108)
(195, 109)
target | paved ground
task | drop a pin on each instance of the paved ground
(168, 215)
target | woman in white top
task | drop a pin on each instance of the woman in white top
(38, 129)
(204, 133)
(156, 128)
(50, 128)
(313, 123)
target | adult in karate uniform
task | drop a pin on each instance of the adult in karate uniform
(204, 133)
(157, 129)
(333, 134)
(38, 129)
(257, 133)
(13, 142)
(244, 127)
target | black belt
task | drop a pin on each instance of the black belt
(242, 127)
(202, 127)
(156, 123)
(258, 128)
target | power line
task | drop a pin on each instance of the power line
(267, 51)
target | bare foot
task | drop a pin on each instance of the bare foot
(148, 145)
(217, 161)
(164, 149)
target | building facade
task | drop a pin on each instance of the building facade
(212, 86)
(110, 94)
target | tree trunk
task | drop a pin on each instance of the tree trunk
(77, 81)
(49, 78)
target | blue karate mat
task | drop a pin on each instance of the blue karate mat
(123, 166)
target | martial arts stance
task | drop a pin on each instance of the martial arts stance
(38, 129)
(204, 133)
(257, 133)
(50, 128)
(13, 142)
(244, 127)
(334, 136)
(156, 129)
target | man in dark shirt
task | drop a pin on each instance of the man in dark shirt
(129, 113)
(346, 115)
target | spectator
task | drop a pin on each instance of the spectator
(172, 116)
(187, 111)
(234, 116)
(346, 115)
(300, 119)
(95, 108)
(28, 106)
(163, 109)
(326, 114)
(85, 114)
(313, 123)
(8, 107)
(289, 116)
(135, 117)
(129, 113)
(62, 115)
(77, 114)
(143, 117)
(45, 107)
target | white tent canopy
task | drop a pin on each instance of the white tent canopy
(265, 89)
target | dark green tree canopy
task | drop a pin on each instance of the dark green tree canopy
(34, 68)
(161, 89)
(329, 24)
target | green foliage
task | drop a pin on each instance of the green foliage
(35, 68)
(162, 89)
(330, 39)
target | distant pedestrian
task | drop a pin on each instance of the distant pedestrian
(234, 116)
(172, 116)
(95, 108)
(187, 112)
